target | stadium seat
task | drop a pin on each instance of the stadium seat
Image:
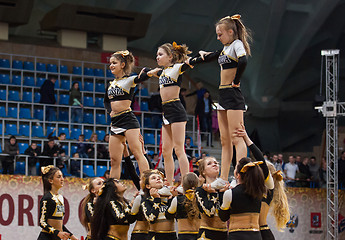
(64, 130)
(88, 101)
(88, 71)
(73, 149)
(52, 68)
(87, 134)
(100, 87)
(56, 85)
(1, 128)
(64, 171)
(88, 86)
(29, 66)
(88, 170)
(98, 72)
(4, 63)
(64, 98)
(144, 106)
(109, 74)
(2, 112)
(144, 92)
(37, 97)
(22, 147)
(100, 119)
(88, 117)
(63, 116)
(75, 133)
(37, 131)
(38, 114)
(29, 81)
(65, 84)
(99, 102)
(77, 70)
(27, 97)
(63, 69)
(40, 81)
(147, 122)
(20, 166)
(149, 138)
(16, 64)
(3, 94)
(49, 130)
(4, 79)
(101, 170)
(16, 80)
(41, 67)
(12, 112)
(13, 95)
(24, 130)
(101, 134)
(25, 113)
(11, 129)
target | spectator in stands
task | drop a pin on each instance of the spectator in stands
(155, 105)
(62, 160)
(199, 92)
(281, 160)
(48, 97)
(203, 109)
(304, 174)
(298, 160)
(106, 174)
(93, 147)
(75, 101)
(314, 170)
(341, 169)
(290, 171)
(75, 165)
(61, 137)
(11, 148)
(182, 95)
(189, 147)
(155, 159)
(277, 165)
(33, 151)
(195, 165)
(103, 150)
(323, 173)
(82, 147)
(50, 150)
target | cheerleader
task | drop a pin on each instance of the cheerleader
(155, 205)
(211, 226)
(117, 101)
(185, 209)
(52, 207)
(232, 60)
(88, 203)
(111, 216)
(277, 200)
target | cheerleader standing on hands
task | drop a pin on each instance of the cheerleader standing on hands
(52, 207)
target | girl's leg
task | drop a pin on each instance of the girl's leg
(167, 151)
(235, 121)
(115, 152)
(178, 131)
(132, 136)
(225, 140)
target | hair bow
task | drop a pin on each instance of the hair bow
(278, 175)
(250, 164)
(100, 191)
(123, 53)
(158, 172)
(176, 46)
(46, 169)
(86, 186)
(198, 162)
(190, 194)
(236, 16)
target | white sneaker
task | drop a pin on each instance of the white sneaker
(164, 191)
(218, 184)
(179, 189)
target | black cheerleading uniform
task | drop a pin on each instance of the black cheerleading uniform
(137, 212)
(154, 211)
(123, 89)
(51, 207)
(266, 233)
(89, 213)
(209, 205)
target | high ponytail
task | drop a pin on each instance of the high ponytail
(178, 52)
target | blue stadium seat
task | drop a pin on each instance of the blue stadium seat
(63, 69)
(158, 139)
(56, 85)
(0, 129)
(73, 149)
(101, 134)
(37, 97)
(16, 80)
(87, 134)
(75, 132)
(29, 81)
(22, 147)
(100, 119)
(65, 84)
(98, 72)
(11, 129)
(147, 122)
(41, 67)
(12, 112)
(64, 171)
(88, 117)
(88, 101)
(13, 95)
(88, 71)
(4, 79)
(150, 152)
(4, 63)
(108, 119)
(64, 130)
(88, 86)
(100, 87)
(144, 106)
(101, 170)
(88, 170)
(20, 167)
(25, 113)
(52, 68)
(65, 148)
(64, 98)
(149, 138)
(16, 64)
(27, 97)
(77, 70)
(109, 74)
(40, 81)
(99, 102)
(29, 66)
(49, 130)
(37, 131)
(24, 130)
(38, 114)
(3, 94)
(2, 112)
(63, 116)
(144, 92)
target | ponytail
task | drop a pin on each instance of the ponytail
(190, 182)
(178, 52)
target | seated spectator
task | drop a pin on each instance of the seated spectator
(314, 170)
(155, 159)
(61, 137)
(82, 147)
(91, 146)
(323, 173)
(341, 169)
(50, 150)
(195, 165)
(103, 150)
(188, 147)
(290, 171)
(75, 165)
(11, 148)
(62, 160)
(33, 151)
(304, 174)
(106, 174)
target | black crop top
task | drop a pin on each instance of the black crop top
(268, 197)
(172, 76)
(52, 207)
(118, 213)
(208, 203)
(154, 208)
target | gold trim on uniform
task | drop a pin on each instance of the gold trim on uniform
(140, 231)
(226, 86)
(44, 208)
(169, 231)
(171, 100)
(244, 229)
(265, 227)
(187, 232)
(214, 229)
(113, 237)
(120, 113)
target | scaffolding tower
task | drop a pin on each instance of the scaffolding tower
(331, 110)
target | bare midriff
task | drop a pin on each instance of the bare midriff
(119, 106)
(227, 76)
(168, 93)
